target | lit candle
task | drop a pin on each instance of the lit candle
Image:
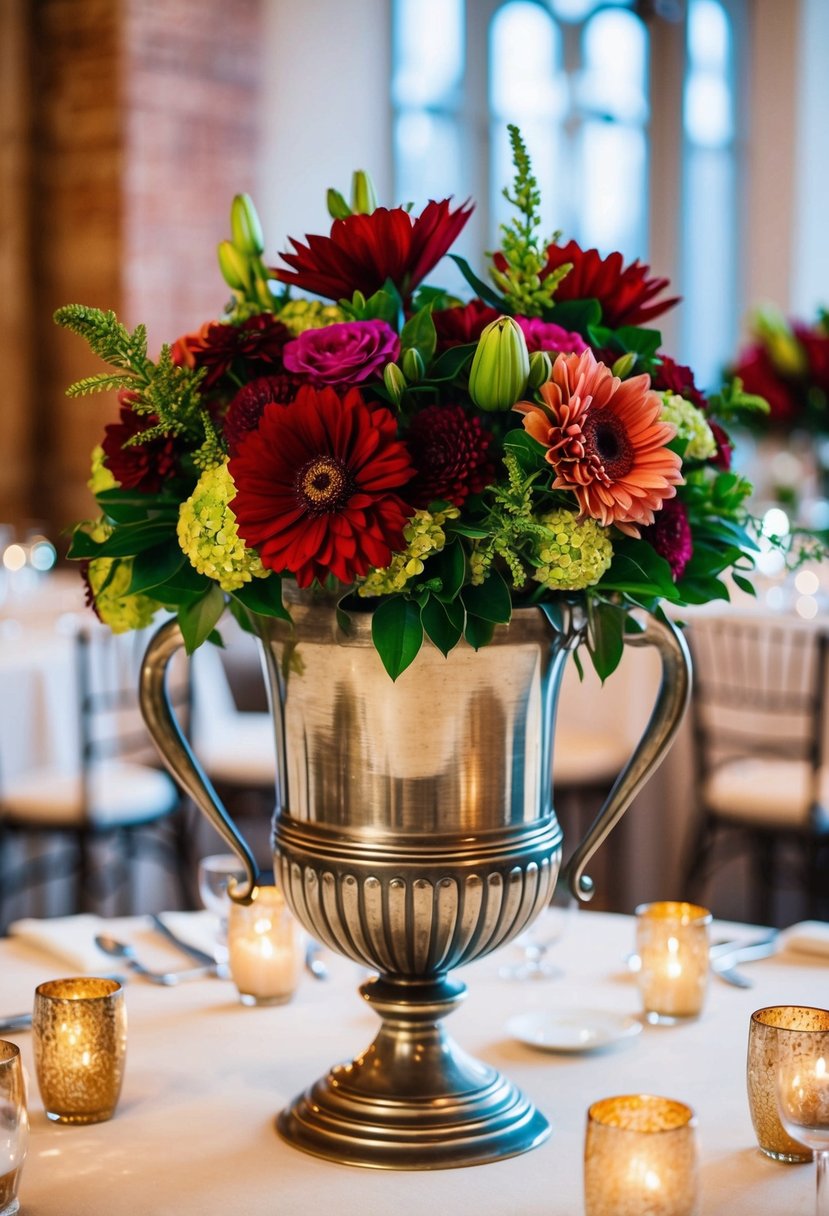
(640, 1158)
(265, 949)
(672, 945)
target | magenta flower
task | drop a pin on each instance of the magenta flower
(342, 355)
(545, 335)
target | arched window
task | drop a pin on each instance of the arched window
(630, 120)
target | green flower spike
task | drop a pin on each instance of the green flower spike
(424, 536)
(576, 555)
(208, 534)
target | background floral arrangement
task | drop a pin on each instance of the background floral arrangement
(433, 461)
(787, 364)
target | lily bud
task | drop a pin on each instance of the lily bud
(394, 381)
(786, 353)
(541, 368)
(338, 208)
(363, 194)
(245, 226)
(501, 366)
(624, 365)
(233, 265)
(414, 369)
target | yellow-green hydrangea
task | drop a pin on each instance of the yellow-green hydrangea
(208, 534)
(576, 555)
(424, 536)
(109, 580)
(691, 427)
(100, 478)
(300, 315)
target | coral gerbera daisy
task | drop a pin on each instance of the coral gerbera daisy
(605, 441)
(365, 250)
(316, 486)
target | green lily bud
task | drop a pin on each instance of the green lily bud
(786, 353)
(394, 381)
(541, 367)
(338, 208)
(234, 266)
(624, 365)
(414, 369)
(245, 226)
(501, 366)
(363, 194)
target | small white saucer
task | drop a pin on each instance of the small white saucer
(576, 1030)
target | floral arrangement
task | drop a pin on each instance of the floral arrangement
(787, 364)
(434, 461)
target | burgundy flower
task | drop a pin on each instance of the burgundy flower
(815, 344)
(453, 455)
(142, 466)
(670, 535)
(365, 250)
(259, 341)
(344, 354)
(246, 408)
(462, 325)
(316, 486)
(725, 447)
(671, 377)
(544, 335)
(759, 375)
(626, 294)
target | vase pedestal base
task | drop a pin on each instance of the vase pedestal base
(413, 1100)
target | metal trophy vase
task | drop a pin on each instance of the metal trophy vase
(415, 832)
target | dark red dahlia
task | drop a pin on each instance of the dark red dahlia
(258, 341)
(670, 535)
(462, 325)
(759, 375)
(725, 447)
(316, 486)
(626, 293)
(142, 466)
(246, 408)
(815, 344)
(453, 455)
(365, 250)
(671, 377)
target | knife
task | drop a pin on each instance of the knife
(723, 961)
(18, 1021)
(200, 956)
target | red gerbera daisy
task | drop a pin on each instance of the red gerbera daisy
(452, 454)
(316, 486)
(246, 408)
(625, 293)
(142, 466)
(258, 340)
(365, 250)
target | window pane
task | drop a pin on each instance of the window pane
(709, 36)
(710, 312)
(708, 103)
(427, 152)
(428, 50)
(614, 81)
(614, 188)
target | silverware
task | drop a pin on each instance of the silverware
(313, 961)
(724, 960)
(200, 956)
(166, 978)
(17, 1021)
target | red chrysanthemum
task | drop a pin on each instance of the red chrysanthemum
(316, 486)
(143, 466)
(670, 535)
(258, 341)
(246, 408)
(462, 325)
(625, 293)
(672, 377)
(365, 250)
(452, 453)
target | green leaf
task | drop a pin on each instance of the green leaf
(490, 601)
(528, 451)
(129, 506)
(198, 620)
(642, 342)
(397, 633)
(638, 568)
(450, 567)
(606, 637)
(129, 539)
(264, 597)
(744, 584)
(576, 314)
(241, 615)
(82, 545)
(448, 365)
(419, 334)
(154, 567)
(443, 623)
(478, 632)
(481, 288)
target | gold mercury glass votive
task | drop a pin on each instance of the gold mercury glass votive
(640, 1158)
(14, 1126)
(80, 1041)
(672, 945)
(265, 949)
(768, 1031)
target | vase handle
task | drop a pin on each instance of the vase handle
(667, 714)
(178, 755)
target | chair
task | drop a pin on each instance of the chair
(762, 785)
(105, 789)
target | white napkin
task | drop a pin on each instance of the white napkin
(71, 939)
(199, 929)
(807, 937)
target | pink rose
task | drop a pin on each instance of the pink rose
(342, 355)
(545, 335)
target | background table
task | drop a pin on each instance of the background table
(194, 1131)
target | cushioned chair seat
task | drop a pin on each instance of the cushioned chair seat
(765, 793)
(587, 758)
(241, 749)
(121, 794)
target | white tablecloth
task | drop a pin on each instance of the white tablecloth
(194, 1130)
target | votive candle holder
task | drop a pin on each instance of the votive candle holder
(265, 949)
(672, 942)
(640, 1158)
(80, 1043)
(770, 1030)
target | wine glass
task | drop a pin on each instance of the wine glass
(536, 941)
(14, 1126)
(215, 874)
(802, 1091)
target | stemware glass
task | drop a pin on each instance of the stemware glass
(802, 1090)
(536, 941)
(214, 875)
(14, 1126)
